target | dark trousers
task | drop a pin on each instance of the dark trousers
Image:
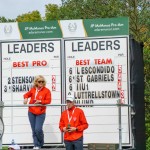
(36, 122)
(74, 145)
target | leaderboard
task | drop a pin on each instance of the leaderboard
(21, 62)
(96, 73)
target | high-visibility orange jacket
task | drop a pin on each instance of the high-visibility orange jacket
(44, 95)
(78, 120)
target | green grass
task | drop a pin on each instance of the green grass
(5, 148)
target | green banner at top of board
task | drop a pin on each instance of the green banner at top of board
(65, 28)
(107, 26)
(40, 30)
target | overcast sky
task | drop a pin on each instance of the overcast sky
(10, 9)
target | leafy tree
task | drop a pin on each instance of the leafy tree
(3, 19)
(139, 12)
(29, 17)
(82, 9)
(52, 12)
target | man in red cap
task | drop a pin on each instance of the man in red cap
(73, 123)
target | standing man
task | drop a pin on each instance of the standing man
(73, 123)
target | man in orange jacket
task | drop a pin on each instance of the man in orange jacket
(73, 123)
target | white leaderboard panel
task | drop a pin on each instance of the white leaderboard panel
(21, 61)
(97, 73)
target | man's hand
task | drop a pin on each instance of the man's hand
(71, 129)
(65, 129)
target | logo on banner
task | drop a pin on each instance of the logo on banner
(8, 29)
(72, 27)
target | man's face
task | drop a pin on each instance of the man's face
(69, 103)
